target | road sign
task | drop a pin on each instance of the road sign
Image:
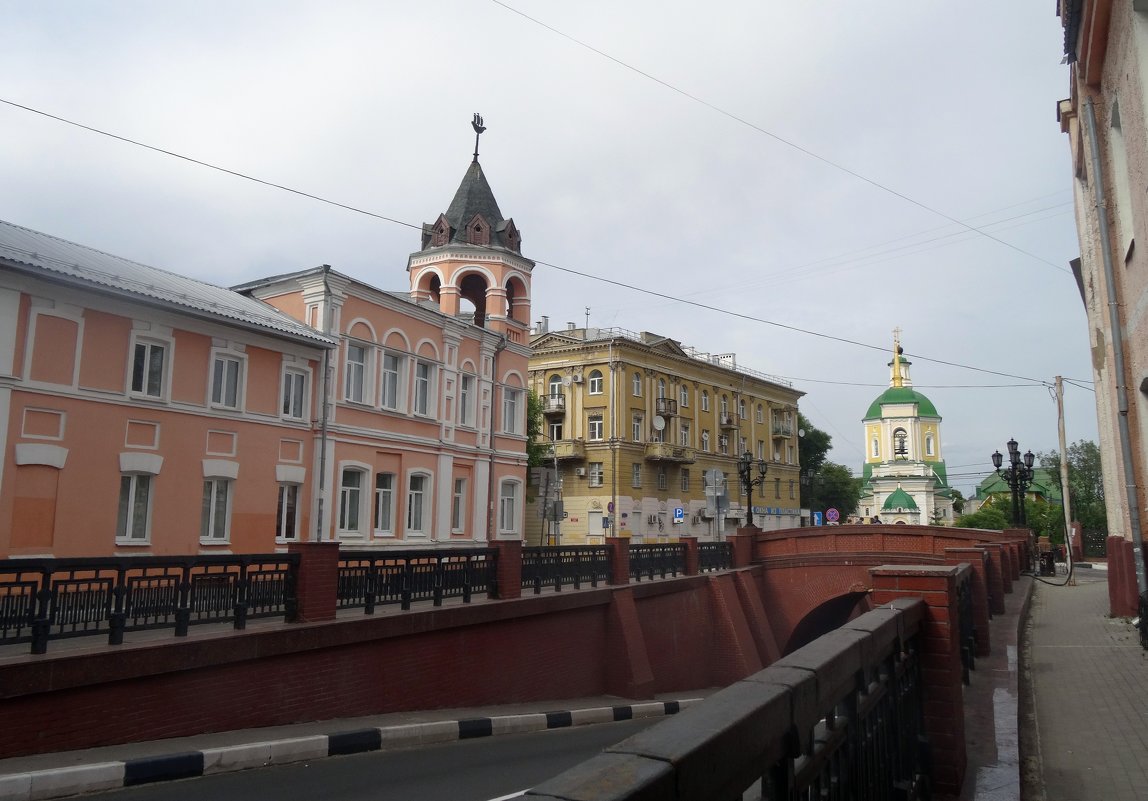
(679, 514)
(832, 515)
(610, 507)
(817, 518)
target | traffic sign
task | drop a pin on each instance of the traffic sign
(817, 518)
(832, 515)
(679, 514)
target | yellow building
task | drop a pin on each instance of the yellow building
(642, 428)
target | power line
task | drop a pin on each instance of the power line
(776, 137)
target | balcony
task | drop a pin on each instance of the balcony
(567, 449)
(666, 407)
(782, 429)
(554, 404)
(665, 452)
(728, 421)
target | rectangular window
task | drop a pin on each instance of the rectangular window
(134, 523)
(663, 481)
(777, 488)
(422, 388)
(595, 474)
(594, 430)
(760, 415)
(508, 508)
(466, 401)
(148, 364)
(685, 477)
(684, 396)
(637, 385)
(215, 521)
(760, 449)
(384, 504)
(286, 516)
(355, 386)
(511, 401)
(789, 455)
(684, 435)
(458, 505)
(225, 381)
(791, 495)
(416, 498)
(392, 381)
(294, 394)
(723, 445)
(636, 428)
(350, 499)
(705, 441)
(636, 474)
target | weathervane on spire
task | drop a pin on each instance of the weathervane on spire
(476, 123)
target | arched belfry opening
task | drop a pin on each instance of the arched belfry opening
(475, 256)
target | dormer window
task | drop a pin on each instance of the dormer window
(477, 231)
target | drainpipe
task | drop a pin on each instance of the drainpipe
(323, 418)
(1117, 348)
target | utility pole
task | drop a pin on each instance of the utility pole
(1065, 496)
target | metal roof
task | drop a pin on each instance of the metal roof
(59, 259)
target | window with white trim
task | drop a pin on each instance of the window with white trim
(742, 446)
(596, 474)
(724, 407)
(636, 474)
(355, 373)
(294, 406)
(741, 408)
(705, 400)
(149, 368)
(133, 526)
(508, 507)
(683, 396)
(391, 389)
(594, 427)
(555, 385)
(554, 428)
(424, 385)
(661, 388)
(384, 522)
(596, 383)
(227, 381)
(876, 447)
(637, 388)
(929, 450)
(760, 414)
(663, 480)
(684, 435)
(705, 441)
(466, 400)
(685, 479)
(458, 506)
(511, 410)
(351, 502)
(287, 513)
(760, 449)
(417, 494)
(215, 520)
(636, 427)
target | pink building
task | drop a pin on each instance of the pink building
(148, 413)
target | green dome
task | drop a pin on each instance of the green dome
(925, 407)
(899, 500)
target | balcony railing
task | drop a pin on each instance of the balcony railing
(666, 407)
(728, 421)
(660, 559)
(568, 449)
(665, 452)
(554, 404)
(558, 566)
(47, 599)
(399, 577)
(782, 429)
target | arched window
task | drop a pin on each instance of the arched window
(900, 444)
(661, 387)
(596, 382)
(637, 385)
(705, 400)
(724, 406)
(876, 448)
(929, 448)
(555, 385)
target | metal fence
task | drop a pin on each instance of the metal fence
(560, 565)
(661, 559)
(46, 599)
(399, 577)
(715, 556)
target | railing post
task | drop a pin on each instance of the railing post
(117, 620)
(437, 580)
(183, 609)
(371, 591)
(41, 622)
(408, 580)
(977, 559)
(241, 596)
(742, 543)
(318, 580)
(693, 559)
(940, 659)
(618, 549)
(995, 577)
(466, 579)
(509, 569)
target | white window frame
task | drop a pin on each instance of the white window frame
(383, 506)
(663, 479)
(287, 525)
(391, 381)
(214, 507)
(351, 501)
(724, 407)
(294, 387)
(423, 401)
(661, 388)
(684, 479)
(684, 435)
(128, 525)
(509, 507)
(417, 507)
(554, 430)
(219, 382)
(466, 385)
(684, 396)
(760, 414)
(595, 428)
(637, 385)
(705, 400)
(512, 410)
(636, 474)
(149, 343)
(876, 447)
(361, 370)
(705, 440)
(458, 506)
(741, 409)
(930, 449)
(595, 474)
(554, 386)
(636, 425)
(596, 385)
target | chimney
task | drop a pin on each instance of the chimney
(544, 326)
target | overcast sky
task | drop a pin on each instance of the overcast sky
(798, 163)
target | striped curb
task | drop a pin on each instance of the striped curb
(60, 782)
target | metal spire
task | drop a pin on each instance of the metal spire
(476, 123)
(898, 381)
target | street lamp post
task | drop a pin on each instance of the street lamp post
(1018, 475)
(745, 471)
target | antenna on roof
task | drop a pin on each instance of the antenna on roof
(476, 123)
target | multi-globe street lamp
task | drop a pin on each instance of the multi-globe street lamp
(745, 471)
(1018, 475)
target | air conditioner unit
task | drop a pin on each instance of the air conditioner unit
(580, 472)
(577, 379)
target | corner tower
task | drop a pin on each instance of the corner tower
(471, 262)
(904, 475)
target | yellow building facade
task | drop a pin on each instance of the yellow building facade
(641, 429)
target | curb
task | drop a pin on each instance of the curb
(60, 782)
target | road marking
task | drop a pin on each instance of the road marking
(519, 794)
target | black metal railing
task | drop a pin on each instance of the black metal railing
(657, 559)
(46, 599)
(400, 577)
(715, 556)
(831, 720)
(966, 628)
(561, 565)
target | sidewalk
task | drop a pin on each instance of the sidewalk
(1089, 683)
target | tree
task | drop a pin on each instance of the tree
(812, 445)
(835, 487)
(536, 448)
(1085, 485)
(988, 516)
(958, 501)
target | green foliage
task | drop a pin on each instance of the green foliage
(1085, 485)
(536, 448)
(958, 502)
(988, 516)
(834, 487)
(813, 446)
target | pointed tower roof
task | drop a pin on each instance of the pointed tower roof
(474, 196)
(473, 218)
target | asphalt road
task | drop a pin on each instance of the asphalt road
(468, 770)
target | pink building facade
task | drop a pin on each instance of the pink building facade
(147, 413)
